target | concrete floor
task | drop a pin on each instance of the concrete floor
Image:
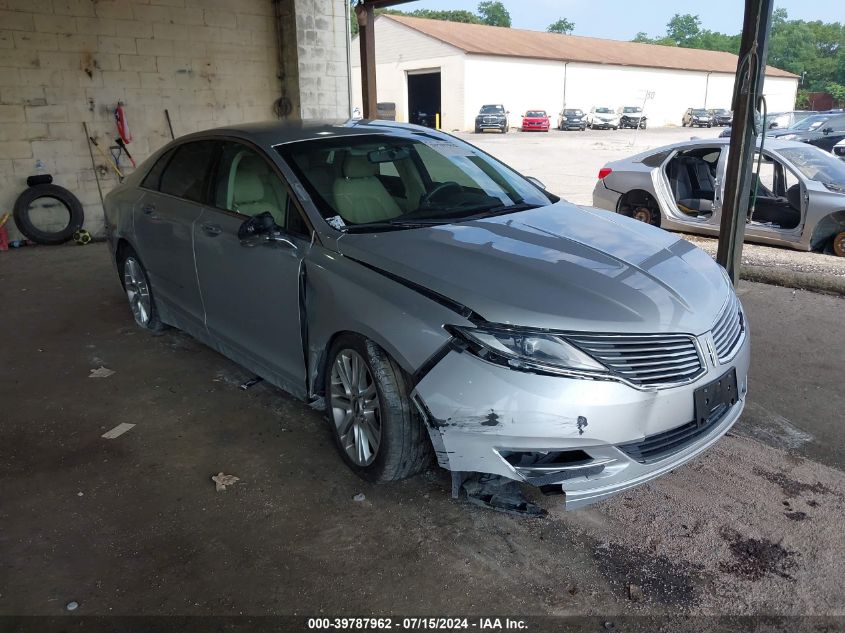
(133, 525)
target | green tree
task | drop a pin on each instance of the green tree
(837, 91)
(494, 13)
(684, 29)
(561, 26)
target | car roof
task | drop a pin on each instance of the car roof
(268, 134)
(771, 143)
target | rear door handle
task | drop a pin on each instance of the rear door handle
(212, 230)
(149, 209)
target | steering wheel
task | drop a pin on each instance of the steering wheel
(443, 187)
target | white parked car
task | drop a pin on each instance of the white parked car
(602, 117)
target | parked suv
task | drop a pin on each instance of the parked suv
(631, 116)
(572, 119)
(602, 117)
(697, 117)
(721, 116)
(492, 117)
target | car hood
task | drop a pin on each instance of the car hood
(558, 267)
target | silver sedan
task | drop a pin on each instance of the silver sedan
(434, 300)
(797, 196)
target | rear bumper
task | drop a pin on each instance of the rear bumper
(479, 413)
(605, 198)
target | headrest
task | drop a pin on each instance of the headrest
(358, 166)
(248, 186)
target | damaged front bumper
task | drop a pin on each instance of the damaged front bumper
(588, 439)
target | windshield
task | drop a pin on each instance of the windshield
(816, 164)
(629, 110)
(492, 109)
(699, 112)
(535, 113)
(604, 110)
(810, 123)
(573, 112)
(405, 181)
(722, 112)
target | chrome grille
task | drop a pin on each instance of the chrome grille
(644, 359)
(729, 330)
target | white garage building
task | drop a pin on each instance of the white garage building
(454, 68)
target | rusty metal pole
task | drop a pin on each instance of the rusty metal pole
(748, 87)
(367, 40)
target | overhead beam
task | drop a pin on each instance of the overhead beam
(748, 89)
(365, 14)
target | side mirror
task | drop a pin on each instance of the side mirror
(262, 229)
(827, 130)
(536, 182)
(507, 111)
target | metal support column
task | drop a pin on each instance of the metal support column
(367, 40)
(748, 88)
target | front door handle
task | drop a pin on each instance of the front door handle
(212, 230)
(149, 209)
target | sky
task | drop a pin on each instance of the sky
(622, 19)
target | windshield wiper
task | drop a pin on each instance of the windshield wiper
(396, 224)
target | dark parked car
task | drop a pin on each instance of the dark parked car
(492, 117)
(782, 120)
(804, 125)
(572, 119)
(721, 117)
(697, 117)
(632, 116)
(824, 136)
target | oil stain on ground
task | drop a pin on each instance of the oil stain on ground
(755, 558)
(661, 580)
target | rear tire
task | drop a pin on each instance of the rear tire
(375, 427)
(139, 292)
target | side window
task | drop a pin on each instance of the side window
(247, 184)
(185, 175)
(153, 178)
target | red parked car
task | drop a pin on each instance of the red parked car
(535, 120)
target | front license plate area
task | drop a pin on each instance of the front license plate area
(714, 399)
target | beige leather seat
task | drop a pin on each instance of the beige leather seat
(359, 196)
(251, 188)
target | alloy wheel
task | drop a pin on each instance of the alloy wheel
(355, 407)
(137, 291)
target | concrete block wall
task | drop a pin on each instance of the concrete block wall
(208, 62)
(321, 27)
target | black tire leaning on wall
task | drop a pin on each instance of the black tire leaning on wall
(30, 231)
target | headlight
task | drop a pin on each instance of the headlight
(524, 349)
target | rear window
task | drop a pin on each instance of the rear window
(153, 178)
(185, 175)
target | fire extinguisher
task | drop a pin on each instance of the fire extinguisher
(122, 125)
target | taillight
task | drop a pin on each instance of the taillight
(604, 172)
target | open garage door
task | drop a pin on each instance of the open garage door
(424, 97)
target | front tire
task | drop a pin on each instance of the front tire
(375, 427)
(139, 292)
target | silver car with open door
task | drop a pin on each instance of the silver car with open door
(434, 301)
(797, 198)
